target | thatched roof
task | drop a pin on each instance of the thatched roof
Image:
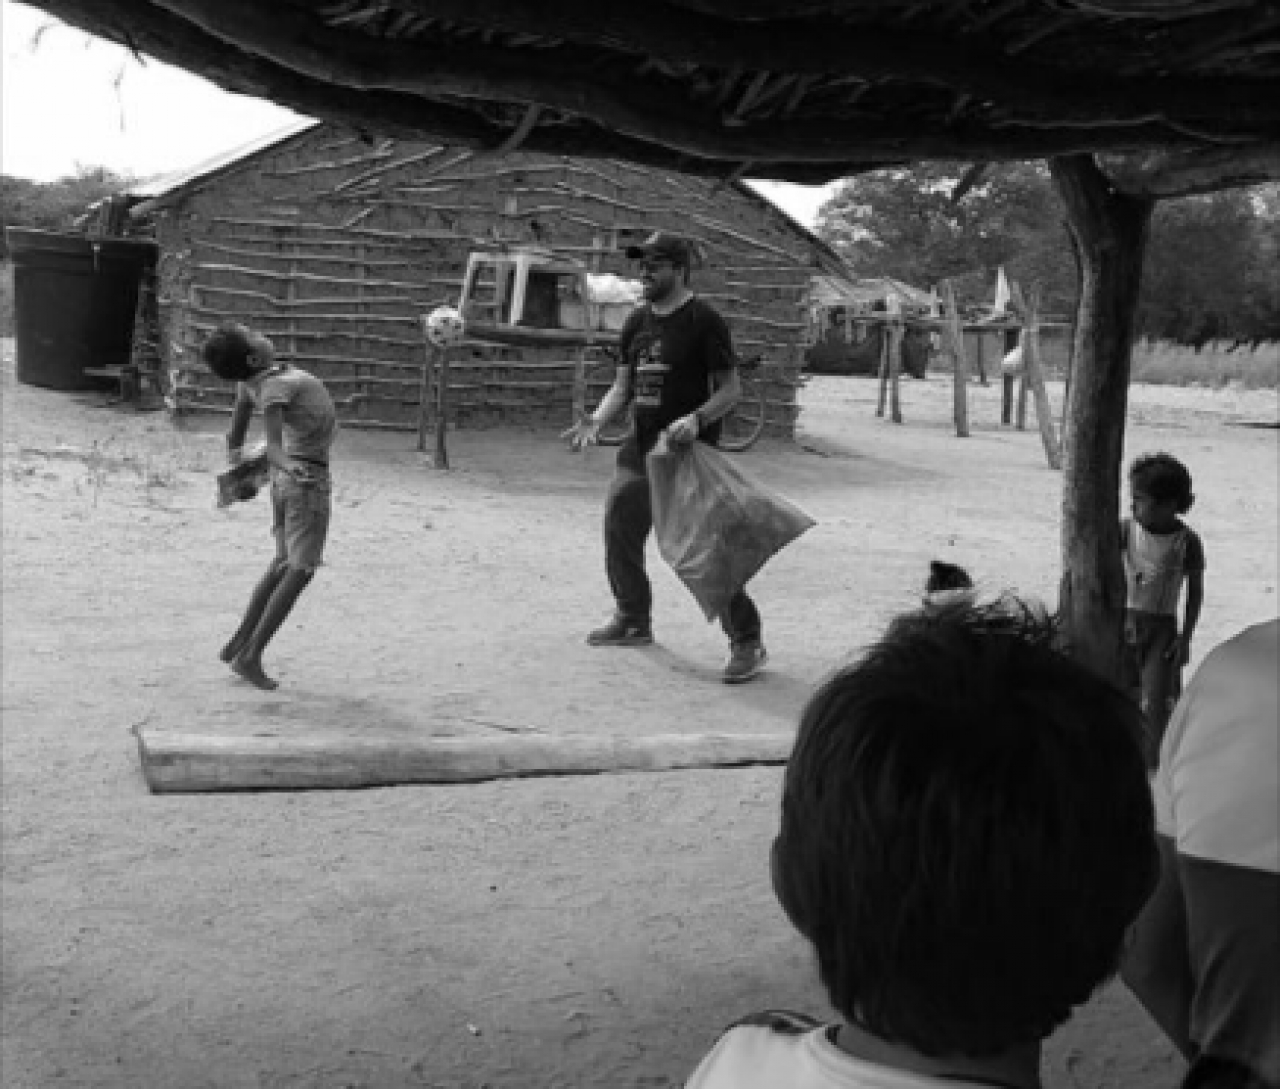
(833, 291)
(800, 90)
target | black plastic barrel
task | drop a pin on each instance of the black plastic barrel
(74, 304)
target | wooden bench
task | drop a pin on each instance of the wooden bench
(131, 380)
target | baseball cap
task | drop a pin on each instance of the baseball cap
(665, 246)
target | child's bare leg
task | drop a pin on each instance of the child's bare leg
(253, 614)
(248, 663)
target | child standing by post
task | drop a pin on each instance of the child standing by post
(300, 423)
(1159, 552)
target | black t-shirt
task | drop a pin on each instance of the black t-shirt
(672, 358)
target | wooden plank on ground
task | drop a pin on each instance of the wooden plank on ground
(176, 762)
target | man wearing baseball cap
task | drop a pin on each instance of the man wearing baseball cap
(678, 371)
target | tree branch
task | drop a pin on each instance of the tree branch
(1187, 173)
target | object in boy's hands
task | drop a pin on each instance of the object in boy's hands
(245, 479)
(948, 585)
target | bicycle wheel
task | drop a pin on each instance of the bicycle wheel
(745, 423)
(599, 379)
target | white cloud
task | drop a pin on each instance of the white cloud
(73, 99)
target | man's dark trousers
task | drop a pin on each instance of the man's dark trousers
(628, 520)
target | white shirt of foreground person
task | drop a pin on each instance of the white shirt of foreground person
(1217, 790)
(754, 1057)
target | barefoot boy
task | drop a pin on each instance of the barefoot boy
(300, 423)
(967, 833)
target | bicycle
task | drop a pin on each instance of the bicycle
(739, 430)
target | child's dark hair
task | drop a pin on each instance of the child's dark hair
(947, 576)
(967, 831)
(226, 352)
(1164, 478)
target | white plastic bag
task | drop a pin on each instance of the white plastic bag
(714, 525)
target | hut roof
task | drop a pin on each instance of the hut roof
(836, 291)
(161, 190)
(798, 90)
(178, 181)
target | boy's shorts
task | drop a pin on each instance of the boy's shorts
(300, 518)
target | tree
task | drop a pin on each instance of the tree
(906, 223)
(1211, 270)
(54, 206)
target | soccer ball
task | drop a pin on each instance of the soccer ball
(444, 327)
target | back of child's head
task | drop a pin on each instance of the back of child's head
(1164, 478)
(967, 831)
(226, 352)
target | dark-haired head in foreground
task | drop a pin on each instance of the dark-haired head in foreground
(967, 833)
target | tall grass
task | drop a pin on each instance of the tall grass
(1216, 365)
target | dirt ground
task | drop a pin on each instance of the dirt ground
(593, 931)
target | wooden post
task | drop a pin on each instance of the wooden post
(1110, 230)
(1022, 385)
(960, 377)
(442, 409)
(1035, 379)
(1007, 381)
(897, 334)
(981, 338)
(883, 330)
(579, 384)
(424, 394)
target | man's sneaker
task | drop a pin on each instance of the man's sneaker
(621, 633)
(745, 661)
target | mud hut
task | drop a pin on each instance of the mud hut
(336, 245)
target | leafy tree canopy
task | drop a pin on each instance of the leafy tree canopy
(908, 224)
(1212, 267)
(54, 206)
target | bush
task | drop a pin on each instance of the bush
(1217, 364)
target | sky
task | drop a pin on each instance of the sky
(69, 100)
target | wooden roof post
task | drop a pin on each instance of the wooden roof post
(1034, 376)
(960, 362)
(1020, 308)
(1111, 231)
(897, 334)
(883, 330)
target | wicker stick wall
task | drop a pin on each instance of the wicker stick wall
(335, 246)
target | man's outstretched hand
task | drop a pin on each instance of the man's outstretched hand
(584, 433)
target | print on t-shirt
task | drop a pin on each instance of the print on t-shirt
(650, 370)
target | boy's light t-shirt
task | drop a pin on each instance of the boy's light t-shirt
(756, 1057)
(1155, 565)
(308, 414)
(1217, 790)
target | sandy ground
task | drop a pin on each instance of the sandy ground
(552, 932)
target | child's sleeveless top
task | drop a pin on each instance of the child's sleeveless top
(1154, 567)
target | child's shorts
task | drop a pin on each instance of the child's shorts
(300, 518)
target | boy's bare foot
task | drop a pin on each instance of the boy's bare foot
(251, 670)
(232, 650)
